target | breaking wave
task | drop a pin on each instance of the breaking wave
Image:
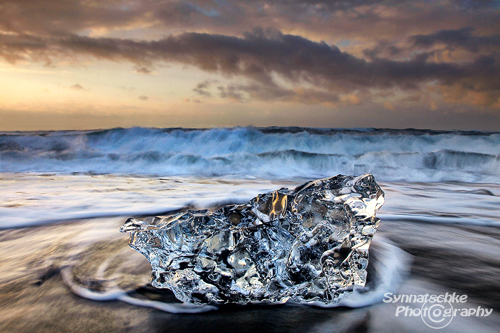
(270, 153)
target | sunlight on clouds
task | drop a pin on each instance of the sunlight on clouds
(210, 63)
(351, 99)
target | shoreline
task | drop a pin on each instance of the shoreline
(33, 295)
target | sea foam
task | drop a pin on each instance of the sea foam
(268, 153)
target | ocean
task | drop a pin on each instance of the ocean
(64, 266)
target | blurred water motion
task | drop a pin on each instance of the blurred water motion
(448, 255)
(442, 200)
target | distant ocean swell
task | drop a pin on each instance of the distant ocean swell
(270, 153)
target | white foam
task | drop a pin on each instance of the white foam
(168, 307)
(29, 199)
(114, 294)
(243, 152)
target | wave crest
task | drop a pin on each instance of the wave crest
(274, 153)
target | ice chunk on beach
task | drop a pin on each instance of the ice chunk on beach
(307, 245)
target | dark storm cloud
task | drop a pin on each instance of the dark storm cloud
(434, 44)
(260, 55)
(390, 17)
(463, 38)
(64, 15)
(383, 47)
(475, 4)
(313, 71)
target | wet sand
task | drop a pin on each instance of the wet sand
(34, 297)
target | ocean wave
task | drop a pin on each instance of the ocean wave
(272, 153)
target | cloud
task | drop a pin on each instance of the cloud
(77, 87)
(286, 59)
(355, 19)
(201, 88)
(462, 38)
(261, 55)
(232, 92)
(142, 70)
(477, 4)
(383, 49)
(273, 92)
(143, 98)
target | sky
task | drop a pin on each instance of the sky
(85, 64)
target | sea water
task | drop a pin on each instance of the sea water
(53, 176)
(442, 198)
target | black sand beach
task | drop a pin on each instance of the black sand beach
(65, 267)
(35, 298)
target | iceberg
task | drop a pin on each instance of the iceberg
(306, 245)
